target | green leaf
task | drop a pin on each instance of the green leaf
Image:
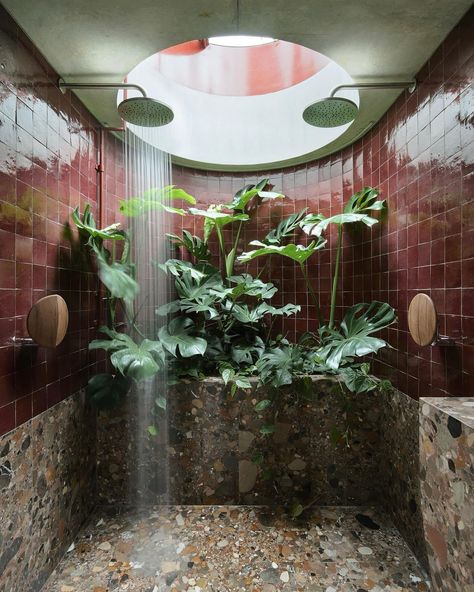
(152, 430)
(357, 379)
(107, 390)
(298, 253)
(358, 209)
(263, 404)
(335, 435)
(315, 226)
(287, 310)
(87, 225)
(278, 365)
(168, 308)
(296, 510)
(354, 338)
(227, 374)
(161, 402)
(285, 229)
(116, 277)
(267, 429)
(249, 286)
(219, 217)
(245, 352)
(242, 382)
(155, 199)
(136, 361)
(258, 458)
(243, 197)
(365, 201)
(177, 337)
(193, 244)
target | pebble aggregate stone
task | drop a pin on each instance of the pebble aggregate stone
(238, 549)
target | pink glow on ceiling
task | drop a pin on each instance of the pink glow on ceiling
(238, 71)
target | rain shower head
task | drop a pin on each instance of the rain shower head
(330, 112)
(334, 111)
(145, 112)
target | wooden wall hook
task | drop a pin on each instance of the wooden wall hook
(423, 322)
(48, 320)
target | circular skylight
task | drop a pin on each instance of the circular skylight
(240, 41)
(239, 106)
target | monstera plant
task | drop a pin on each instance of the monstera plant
(221, 319)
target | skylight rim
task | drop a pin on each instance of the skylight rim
(232, 41)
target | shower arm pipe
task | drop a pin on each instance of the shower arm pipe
(63, 86)
(410, 85)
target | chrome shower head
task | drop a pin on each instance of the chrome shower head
(145, 112)
(331, 112)
(334, 111)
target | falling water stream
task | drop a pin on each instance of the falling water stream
(148, 169)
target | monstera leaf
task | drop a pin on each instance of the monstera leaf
(176, 337)
(287, 310)
(354, 337)
(365, 201)
(193, 244)
(285, 229)
(357, 378)
(279, 364)
(298, 253)
(247, 193)
(116, 277)
(106, 390)
(357, 209)
(245, 352)
(218, 217)
(87, 225)
(155, 199)
(133, 360)
(246, 284)
(179, 268)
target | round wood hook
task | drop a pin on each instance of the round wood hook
(48, 320)
(422, 320)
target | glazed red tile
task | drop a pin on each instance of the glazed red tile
(23, 410)
(7, 274)
(7, 418)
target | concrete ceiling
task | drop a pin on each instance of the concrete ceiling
(371, 39)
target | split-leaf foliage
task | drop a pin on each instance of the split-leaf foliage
(221, 319)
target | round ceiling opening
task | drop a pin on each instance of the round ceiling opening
(238, 101)
(240, 41)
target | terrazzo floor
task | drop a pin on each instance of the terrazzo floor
(233, 549)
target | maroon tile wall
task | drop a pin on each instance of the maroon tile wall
(48, 157)
(421, 156)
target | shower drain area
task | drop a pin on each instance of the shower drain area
(238, 548)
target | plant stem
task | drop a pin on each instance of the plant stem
(335, 277)
(313, 295)
(233, 254)
(221, 242)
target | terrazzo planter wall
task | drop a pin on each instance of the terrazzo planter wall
(421, 156)
(47, 486)
(212, 450)
(447, 486)
(400, 468)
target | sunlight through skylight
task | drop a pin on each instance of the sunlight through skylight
(240, 40)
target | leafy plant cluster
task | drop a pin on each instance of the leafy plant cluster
(221, 320)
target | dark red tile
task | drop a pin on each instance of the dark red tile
(7, 418)
(24, 410)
